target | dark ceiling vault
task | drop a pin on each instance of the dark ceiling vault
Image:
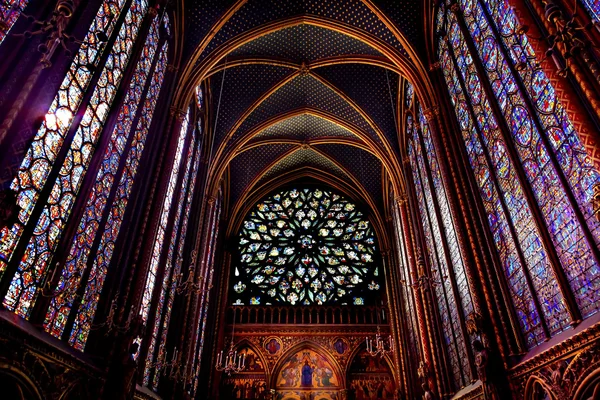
(305, 87)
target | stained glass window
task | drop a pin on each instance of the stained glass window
(306, 246)
(446, 265)
(208, 273)
(593, 6)
(164, 219)
(543, 145)
(99, 195)
(10, 10)
(410, 311)
(32, 270)
(47, 142)
(173, 262)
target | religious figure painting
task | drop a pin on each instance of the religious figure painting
(308, 370)
(253, 362)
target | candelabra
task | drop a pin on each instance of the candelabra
(189, 286)
(233, 362)
(55, 27)
(110, 324)
(379, 346)
(48, 281)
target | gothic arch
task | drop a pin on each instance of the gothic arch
(19, 381)
(530, 388)
(589, 388)
(307, 345)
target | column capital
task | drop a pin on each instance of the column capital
(435, 66)
(431, 113)
(401, 199)
(178, 113)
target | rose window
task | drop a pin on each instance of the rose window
(306, 246)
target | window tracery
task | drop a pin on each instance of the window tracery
(535, 178)
(306, 246)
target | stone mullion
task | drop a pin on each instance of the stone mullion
(574, 90)
(79, 206)
(29, 227)
(457, 197)
(445, 247)
(147, 242)
(570, 302)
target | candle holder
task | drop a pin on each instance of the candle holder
(379, 346)
(233, 362)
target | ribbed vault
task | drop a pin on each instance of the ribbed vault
(304, 88)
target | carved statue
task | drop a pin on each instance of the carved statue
(423, 374)
(481, 364)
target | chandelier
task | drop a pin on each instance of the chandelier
(379, 346)
(233, 362)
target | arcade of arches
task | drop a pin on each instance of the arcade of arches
(347, 199)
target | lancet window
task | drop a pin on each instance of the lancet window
(51, 179)
(534, 176)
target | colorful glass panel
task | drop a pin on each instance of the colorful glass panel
(10, 10)
(164, 218)
(173, 263)
(24, 287)
(555, 135)
(305, 246)
(89, 225)
(87, 308)
(47, 142)
(447, 303)
(593, 6)
(205, 297)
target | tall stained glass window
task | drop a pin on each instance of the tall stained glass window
(97, 209)
(173, 263)
(451, 287)
(169, 245)
(35, 170)
(410, 310)
(593, 6)
(48, 186)
(207, 272)
(10, 10)
(306, 246)
(535, 178)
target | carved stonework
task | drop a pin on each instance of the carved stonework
(56, 373)
(563, 369)
(596, 201)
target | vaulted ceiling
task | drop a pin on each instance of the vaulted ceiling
(304, 88)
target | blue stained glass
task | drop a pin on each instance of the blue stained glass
(95, 208)
(24, 288)
(449, 308)
(566, 231)
(593, 6)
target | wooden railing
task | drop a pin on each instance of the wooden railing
(299, 315)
